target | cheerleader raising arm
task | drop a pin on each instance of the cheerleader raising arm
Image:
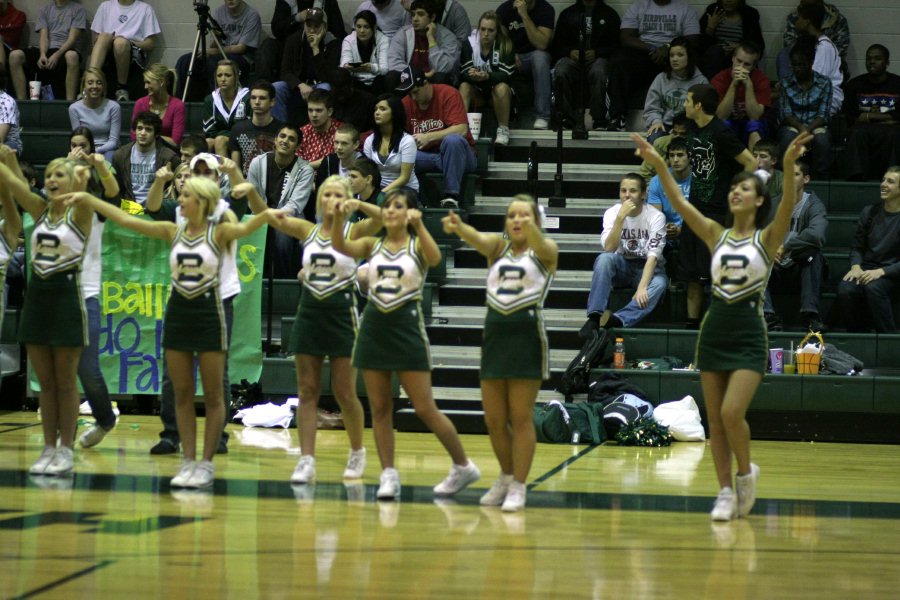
(164, 230)
(428, 248)
(356, 248)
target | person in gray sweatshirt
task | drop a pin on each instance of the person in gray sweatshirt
(666, 95)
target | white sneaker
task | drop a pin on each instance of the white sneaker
(61, 463)
(450, 203)
(40, 465)
(502, 137)
(203, 475)
(184, 474)
(458, 479)
(390, 485)
(305, 471)
(497, 493)
(746, 490)
(356, 464)
(93, 436)
(725, 508)
(540, 123)
(515, 497)
(122, 95)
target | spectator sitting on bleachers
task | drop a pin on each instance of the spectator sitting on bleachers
(345, 155)
(424, 44)
(436, 118)
(162, 199)
(158, 81)
(765, 152)
(803, 105)
(102, 183)
(318, 135)
(680, 167)
(390, 147)
(669, 89)
(12, 22)
(724, 24)
(680, 126)
(365, 53)
(870, 288)
(281, 179)
(289, 17)
(365, 181)
(530, 27)
(228, 103)
(128, 28)
(745, 94)
(648, 27)
(59, 26)
(256, 135)
(633, 238)
(834, 25)
(487, 62)
(800, 258)
(137, 162)
(241, 30)
(351, 104)
(600, 24)
(827, 60)
(192, 145)
(872, 108)
(309, 55)
(390, 14)
(97, 112)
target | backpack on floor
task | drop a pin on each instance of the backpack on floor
(568, 423)
(596, 350)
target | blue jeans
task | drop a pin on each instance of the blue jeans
(612, 269)
(167, 398)
(454, 160)
(537, 62)
(89, 373)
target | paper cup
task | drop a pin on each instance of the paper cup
(34, 90)
(474, 125)
(776, 360)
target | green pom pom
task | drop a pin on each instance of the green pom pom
(644, 432)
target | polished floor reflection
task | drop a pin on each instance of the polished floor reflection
(604, 522)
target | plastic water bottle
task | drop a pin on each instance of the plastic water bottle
(619, 355)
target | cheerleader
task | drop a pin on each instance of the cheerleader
(53, 325)
(326, 320)
(732, 347)
(194, 323)
(392, 334)
(514, 350)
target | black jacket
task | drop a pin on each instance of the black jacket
(604, 37)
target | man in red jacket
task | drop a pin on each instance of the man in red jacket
(436, 118)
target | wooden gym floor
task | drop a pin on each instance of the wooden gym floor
(602, 522)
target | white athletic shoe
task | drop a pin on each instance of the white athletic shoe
(356, 464)
(746, 490)
(502, 137)
(93, 436)
(515, 497)
(184, 474)
(203, 475)
(725, 508)
(540, 123)
(497, 493)
(305, 471)
(389, 488)
(62, 462)
(40, 465)
(458, 479)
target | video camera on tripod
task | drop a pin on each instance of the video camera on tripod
(205, 25)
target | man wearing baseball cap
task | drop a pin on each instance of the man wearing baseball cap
(436, 118)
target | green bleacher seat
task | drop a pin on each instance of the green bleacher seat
(845, 197)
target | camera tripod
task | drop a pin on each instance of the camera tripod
(199, 51)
